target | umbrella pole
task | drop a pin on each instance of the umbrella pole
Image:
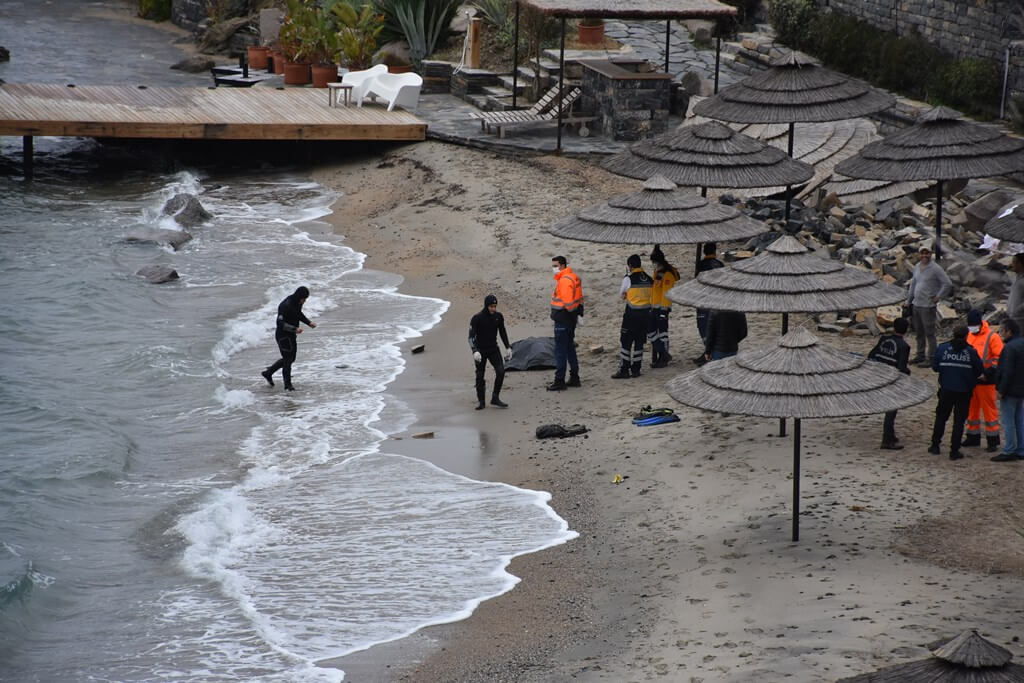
(718, 58)
(796, 479)
(668, 32)
(561, 94)
(515, 59)
(785, 329)
(789, 188)
(938, 222)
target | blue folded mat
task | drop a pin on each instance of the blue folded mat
(655, 420)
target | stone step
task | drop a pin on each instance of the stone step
(506, 82)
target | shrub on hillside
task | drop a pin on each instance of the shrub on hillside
(155, 10)
(791, 20)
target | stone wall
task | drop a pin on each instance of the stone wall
(188, 14)
(963, 28)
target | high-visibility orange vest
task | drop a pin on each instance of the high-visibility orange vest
(568, 294)
(987, 343)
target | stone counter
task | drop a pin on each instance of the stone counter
(629, 101)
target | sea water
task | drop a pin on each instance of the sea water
(166, 515)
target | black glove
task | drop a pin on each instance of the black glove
(579, 311)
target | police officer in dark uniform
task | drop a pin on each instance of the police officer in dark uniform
(484, 328)
(959, 367)
(893, 350)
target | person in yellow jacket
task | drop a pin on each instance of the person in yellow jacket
(665, 278)
(566, 308)
(636, 318)
(983, 414)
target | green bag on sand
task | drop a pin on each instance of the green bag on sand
(648, 411)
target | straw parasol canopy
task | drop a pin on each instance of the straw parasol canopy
(709, 155)
(967, 658)
(1008, 224)
(794, 90)
(659, 214)
(786, 278)
(940, 146)
(800, 378)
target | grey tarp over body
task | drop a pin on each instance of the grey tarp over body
(532, 353)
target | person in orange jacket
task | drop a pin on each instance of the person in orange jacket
(566, 308)
(989, 345)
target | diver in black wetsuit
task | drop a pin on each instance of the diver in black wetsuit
(484, 329)
(289, 315)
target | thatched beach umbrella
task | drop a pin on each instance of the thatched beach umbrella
(661, 213)
(709, 154)
(940, 146)
(786, 277)
(1008, 224)
(967, 658)
(795, 89)
(798, 378)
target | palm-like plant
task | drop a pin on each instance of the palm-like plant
(360, 29)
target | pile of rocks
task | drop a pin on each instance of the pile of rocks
(884, 239)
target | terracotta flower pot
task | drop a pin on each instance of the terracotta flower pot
(296, 73)
(257, 56)
(324, 74)
(278, 58)
(591, 35)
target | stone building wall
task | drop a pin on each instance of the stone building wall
(963, 28)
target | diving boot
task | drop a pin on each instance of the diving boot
(495, 401)
(991, 444)
(267, 375)
(480, 399)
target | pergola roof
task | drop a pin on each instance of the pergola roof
(635, 9)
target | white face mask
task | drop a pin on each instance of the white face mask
(556, 270)
(974, 329)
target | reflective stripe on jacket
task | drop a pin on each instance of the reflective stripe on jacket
(988, 344)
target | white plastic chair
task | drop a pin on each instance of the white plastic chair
(402, 90)
(360, 81)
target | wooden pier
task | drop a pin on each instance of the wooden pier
(260, 113)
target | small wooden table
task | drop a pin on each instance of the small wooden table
(332, 93)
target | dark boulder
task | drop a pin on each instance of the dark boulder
(5, 54)
(172, 238)
(157, 274)
(195, 64)
(186, 210)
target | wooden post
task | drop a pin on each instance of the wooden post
(475, 38)
(796, 479)
(26, 155)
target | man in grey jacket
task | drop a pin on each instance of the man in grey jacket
(1015, 305)
(928, 285)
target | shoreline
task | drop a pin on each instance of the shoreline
(685, 570)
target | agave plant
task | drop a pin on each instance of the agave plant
(421, 22)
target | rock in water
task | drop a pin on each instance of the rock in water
(186, 210)
(157, 274)
(173, 238)
(194, 65)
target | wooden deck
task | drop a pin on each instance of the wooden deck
(260, 113)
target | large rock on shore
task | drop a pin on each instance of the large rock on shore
(194, 65)
(157, 274)
(186, 210)
(172, 238)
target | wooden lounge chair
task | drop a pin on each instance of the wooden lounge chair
(546, 101)
(549, 116)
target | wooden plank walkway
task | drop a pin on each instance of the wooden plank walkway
(195, 113)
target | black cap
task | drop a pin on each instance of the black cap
(490, 299)
(974, 317)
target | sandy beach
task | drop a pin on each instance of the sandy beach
(685, 571)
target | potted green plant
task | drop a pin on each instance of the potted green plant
(297, 38)
(591, 30)
(325, 48)
(360, 28)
